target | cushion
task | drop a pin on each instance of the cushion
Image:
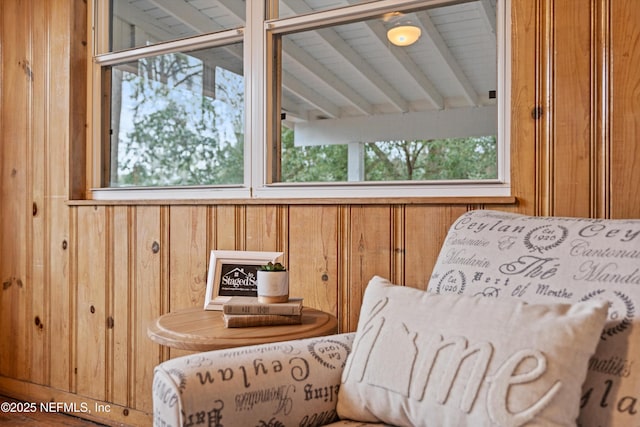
(421, 359)
(555, 259)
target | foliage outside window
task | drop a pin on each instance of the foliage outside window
(173, 126)
(425, 160)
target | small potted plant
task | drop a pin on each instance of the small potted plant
(273, 283)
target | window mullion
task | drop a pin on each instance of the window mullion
(255, 94)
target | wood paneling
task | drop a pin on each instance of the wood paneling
(625, 108)
(91, 310)
(188, 257)
(524, 102)
(600, 120)
(571, 107)
(57, 113)
(313, 255)
(37, 159)
(120, 325)
(81, 282)
(426, 226)
(149, 297)
(15, 200)
(370, 253)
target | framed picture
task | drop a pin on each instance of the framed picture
(232, 274)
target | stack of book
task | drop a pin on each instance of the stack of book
(250, 312)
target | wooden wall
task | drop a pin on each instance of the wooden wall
(82, 280)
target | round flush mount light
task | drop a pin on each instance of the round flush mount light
(404, 34)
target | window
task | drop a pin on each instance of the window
(283, 98)
(177, 120)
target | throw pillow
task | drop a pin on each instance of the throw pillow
(543, 260)
(423, 359)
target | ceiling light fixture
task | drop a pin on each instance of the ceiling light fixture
(404, 34)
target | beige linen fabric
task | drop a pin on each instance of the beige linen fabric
(554, 259)
(290, 383)
(424, 359)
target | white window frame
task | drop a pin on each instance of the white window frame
(258, 111)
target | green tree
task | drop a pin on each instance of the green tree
(179, 135)
(312, 163)
(437, 159)
(424, 160)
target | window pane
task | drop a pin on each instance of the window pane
(136, 23)
(383, 112)
(288, 8)
(431, 160)
(178, 119)
(320, 163)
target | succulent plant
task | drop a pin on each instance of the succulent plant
(273, 267)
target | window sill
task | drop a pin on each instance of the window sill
(444, 200)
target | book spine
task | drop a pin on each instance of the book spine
(255, 309)
(243, 321)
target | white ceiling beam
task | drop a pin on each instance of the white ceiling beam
(330, 79)
(404, 60)
(437, 124)
(235, 8)
(352, 57)
(293, 84)
(200, 23)
(365, 70)
(188, 15)
(488, 14)
(447, 57)
(134, 16)
(333, 82)
(142, 21)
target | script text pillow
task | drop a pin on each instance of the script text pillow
(546, 260)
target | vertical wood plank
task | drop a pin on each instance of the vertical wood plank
(398, 233)
(57, 187)
(313, 256)
(15, 209)
(76, 35)
(37, 161)
(601, 120)
(543, 65)
(91, 312)
(188, 256)
(229, 223)
(61, 312)
(370, 250)
(119, 324)
(523, 102)
(264, 228)
(572, 108)
(150, 291)
(427, 227)
(625, 109)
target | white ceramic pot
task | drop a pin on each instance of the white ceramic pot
(273, 286)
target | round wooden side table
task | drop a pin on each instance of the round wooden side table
(197, 329)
